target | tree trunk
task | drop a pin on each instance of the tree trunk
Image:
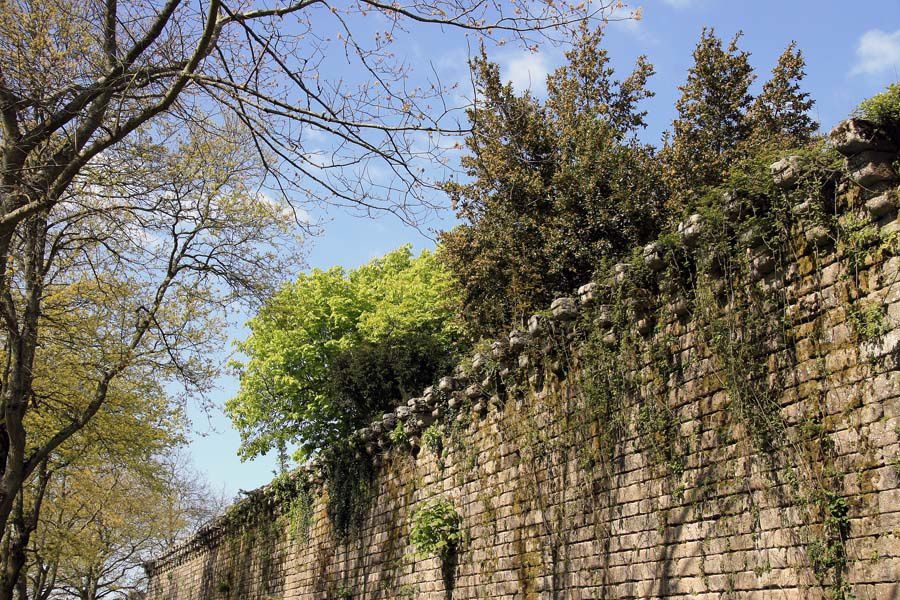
(21, 325)
(21, 526)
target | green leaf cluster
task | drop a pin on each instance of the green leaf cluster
(884, 108)
(436, 529)
(334, 348)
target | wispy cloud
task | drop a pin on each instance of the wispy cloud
(631, 21)
(877, 52)
(527, 71)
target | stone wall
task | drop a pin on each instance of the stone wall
(703, 423)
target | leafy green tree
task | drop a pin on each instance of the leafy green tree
(115, 494)
(333, 349)
(780, 114)
(554, 189)
(121, 289)
(712, 123)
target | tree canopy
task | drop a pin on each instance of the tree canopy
(711, 123)
(334, 348)
(120, 291)
(780, 114)
(554, 188)
(720, 122)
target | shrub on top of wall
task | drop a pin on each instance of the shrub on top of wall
(883, 109)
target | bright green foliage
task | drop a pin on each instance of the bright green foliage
(868, 321)
(435, 529)
(711, 123)
(554, 189)
(336, 347)
(883, 108)
(781, 112)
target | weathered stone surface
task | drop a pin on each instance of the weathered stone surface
(805, 208)
(733, 206)
(858, 135)
(881, 205)
(517, 341)
(564, 309)
(474, 391)
(653, 256)
(620, 272)
(817, 236)
(604, 315)
(870, 168)
(690, 230)
(786, 172)
(639, 466)
(447, 384)
(536, 324)
(644, 326)
(588, 293)
(681, 307)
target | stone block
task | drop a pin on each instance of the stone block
(517, 341)
(620, 272)
(882, 205)
(536, 324)
(786, 172)
(870, 168)
(859, 135)
(588, 293)
(690, 230)
(653, 256)
(564, 309)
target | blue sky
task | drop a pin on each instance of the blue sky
(852, 52)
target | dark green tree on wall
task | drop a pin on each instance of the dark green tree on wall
(711, 124)
(554, 188)
(780, 114)
(720, 122)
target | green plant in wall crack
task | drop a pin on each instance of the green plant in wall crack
(351, 486)
(299, 512)
(828, 552)
(436, 532)
(868, 321)
(433, 439)
(436, 529)
(398, 435)
(224, 587)
(860, 243)
(658, 427)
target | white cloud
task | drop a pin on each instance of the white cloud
(632, 22)
(877, 52)
(527, 71)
